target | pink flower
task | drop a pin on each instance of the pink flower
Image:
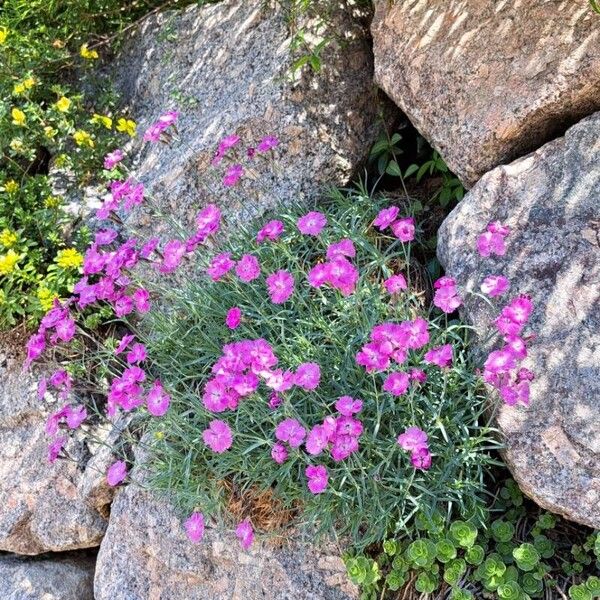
(495, 285)
(141, 300)
(116, 473)
(280, 286)
(347, 406)
(123, 343)
(317, 478)
(386, 217)
(307, 376)
(341, 249)
(290, 431)
(497, 227)
(35, 347)
(524, 374)
(418, 375)
(373, 358)
(105, 236)
(317, 440)
(42, 388)
(279, 453)
(245, 534)
(416, 333)
(395, 284)
(271, 231)
(421, 459)
(404, 229)
(343, 275)
(319, 274)
(149, 247)
(194, 527)
(208, 220)
(500, 361)
(220, 266)
(76, 416)
(55, 448)
(312, 223)
(343, 447)
(172, 255)
(519, 310)
(233, 175)
(248, 268)
(413, 439)
(137, 354)
(446, 295)
(113, 158)
(226, 144)
(216, 397)
(218, 436)
(275, 401)
(267, 143)
(233, 318)
(157, 400)
(440, 356)
(492, 241)
(516, 346)
(348, 426)
(396, 383)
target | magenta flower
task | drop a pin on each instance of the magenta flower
(317, 440)
(116, 473)
(404, 229)
(194, 527)
(413, 439)
(267, 143)
(123, 343)
(396, 383)
(76, 416)
(341, 249)
(500, 361)
(395, 284)
(279, 453)
(421, 459)
(225, 144)
(216, 397)
(280, 286)
(348, 406)
(343, 447)
(516, 346)
(386, 217)
(137, 354)
(519, 310)
(319, 274)
(112, 159)
(35, 347)
(317, 478)
(141, 300)
(373, 358)
(149, 247)
(440, 356)
(233, 318)
(290, 431)
(157, 400)
(220, 266)
(42, 388)
(343, 275)
(248, 268)
(495, 285)
(275, 401)
(218, 436)
(418, 375)
(307, 376)
(105, 236)
(55, 448)
(271, 231)
(208, 220)
(312, 223)
(173, 253)
(489, 243)
(233, 175)
(446, 295)
(245, 534)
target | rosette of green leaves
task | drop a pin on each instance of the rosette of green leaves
(475, 555)
(463, 533)
(526, 557)
(426, 583)
(580, 592)
(421, 553)
(510, 591)
(502, 531)
(454, 570)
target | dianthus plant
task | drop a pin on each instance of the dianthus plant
(313, 368)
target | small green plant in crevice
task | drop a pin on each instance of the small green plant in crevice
(595, 6)
(521, 552)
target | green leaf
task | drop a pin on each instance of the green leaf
(393, 169)
(410, 170)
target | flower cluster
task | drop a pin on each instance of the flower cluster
(414, 440)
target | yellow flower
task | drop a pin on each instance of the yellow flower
(29, 83)
(102, 120)
(63, 104)
(69, 259)
(8, 262)
(18, 117)
(3, 34)
(83, 138)
(18, 88)
(46, 298)
(16, 145)
(11, 186)
(8, 238)
(87, 53)
(52, 202)
(126, 126)
(61, 161)
(50, 132)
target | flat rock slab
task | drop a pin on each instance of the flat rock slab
(55, 577)
(44, 507)
(487, 81)
(147, 556)
(226, 68)
(551, 201)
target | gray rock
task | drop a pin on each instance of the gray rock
(56, 577)
(225, 66)
(146, 555)
(44, 507)
(487, 81)
(550, 201)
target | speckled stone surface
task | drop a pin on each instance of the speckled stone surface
(147, 556)
(487, 81)
(44, 507)
(66, 576)
(551, 201)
